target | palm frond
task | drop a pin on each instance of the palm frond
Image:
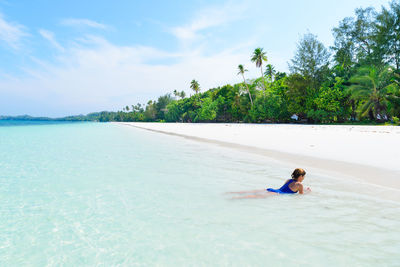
(365, 108)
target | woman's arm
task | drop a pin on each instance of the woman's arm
(296, 187)
(302, 191)
(300, 188)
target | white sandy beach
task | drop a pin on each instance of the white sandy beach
(369, 153)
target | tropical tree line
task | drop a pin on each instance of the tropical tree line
(355, 80)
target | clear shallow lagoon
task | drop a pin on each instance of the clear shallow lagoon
(106, 194)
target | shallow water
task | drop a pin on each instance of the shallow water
(106, 194)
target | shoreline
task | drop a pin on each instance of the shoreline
(264, 139)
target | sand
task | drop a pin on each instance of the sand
(368, 153)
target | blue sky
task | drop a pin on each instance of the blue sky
(70, 57)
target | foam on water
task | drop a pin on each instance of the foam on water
(104, 194)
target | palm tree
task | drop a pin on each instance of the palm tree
(370, 87)
(396, 77)
(258, 57)
(179, 94)
(242, 70)
(176, 93)
(195, 86)
(394, 93)
(270, 72)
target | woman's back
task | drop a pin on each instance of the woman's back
(286, 187)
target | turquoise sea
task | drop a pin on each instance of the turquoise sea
(93, 194)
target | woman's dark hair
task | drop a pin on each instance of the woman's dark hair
(297, 173)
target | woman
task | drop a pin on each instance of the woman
(291, 186)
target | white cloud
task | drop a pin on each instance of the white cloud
(107, 76)
(208, 18)
(93, 74)
(49, 36)
(83, 23)
(11, 33)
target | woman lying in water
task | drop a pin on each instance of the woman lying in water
(291, 186)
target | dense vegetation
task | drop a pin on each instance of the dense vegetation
(355, 80)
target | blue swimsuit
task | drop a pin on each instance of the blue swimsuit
(285, 189)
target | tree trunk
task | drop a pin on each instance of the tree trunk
(396, 56)
(371, 115)
(248, 91)
(262, 77)
(353, 110)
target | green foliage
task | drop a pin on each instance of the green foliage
(150, 114)
(161, 106)
(195, 86)
(387, 32)
(269, 107)
(344, 46)
(396, 120)
(174, 112)
(258, 57)
(270, 72)
(330, 104)
(354, 39)
(208, 110)
(370, 88)
(242, 70)
(310, 61)
(298, 94)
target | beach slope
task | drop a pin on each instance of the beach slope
(369, 153)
